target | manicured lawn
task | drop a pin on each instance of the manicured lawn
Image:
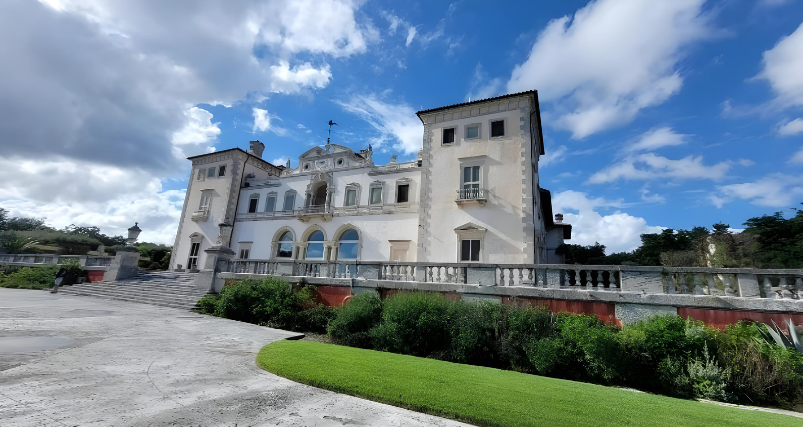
(487, 396)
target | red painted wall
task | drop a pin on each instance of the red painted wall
(604, 310)
(721, 318)
(95, 275)
(333, 296)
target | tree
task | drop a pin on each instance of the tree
(19, 223)
(780, 240)
(94, 232)
(16, 243)
(577, 254)
(669, 240)
(3, 219)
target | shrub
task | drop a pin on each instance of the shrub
(353, 321)
(591, 347)
(208, 304)
(315, 319)
(707, 379)
(415, 323)
(29, 277)
(270, 302)
(524, 327)
(73, 266)
(477, 334)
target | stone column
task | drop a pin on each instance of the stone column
(206, 279)
(123, 266)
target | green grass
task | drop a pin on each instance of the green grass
(487, 396)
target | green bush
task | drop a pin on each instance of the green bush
(208, 304)
(708, 380)
(477, 334)
(73, 266)
(315, 319)
(415, 323)
(354, 320)
(29, 277)
(524, 327)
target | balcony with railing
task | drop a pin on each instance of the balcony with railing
(471, 195)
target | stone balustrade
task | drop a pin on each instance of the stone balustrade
(746, 283)
(37, 260)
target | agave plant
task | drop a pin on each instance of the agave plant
(774, 334)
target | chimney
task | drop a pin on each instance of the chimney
(257, 148)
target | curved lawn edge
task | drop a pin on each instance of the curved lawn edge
(487, 396)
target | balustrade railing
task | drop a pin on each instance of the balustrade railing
(774, 284)
(471, 194)
(98, 261)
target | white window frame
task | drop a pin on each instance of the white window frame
(472, 233)
(463, 181)
(201, 174)
(490, 128)
(256, 205)
(473, 125)
(454, 137)
(409, 183)
(352, 187)
(381, 186)
(194, 258)
(206, 200)
(270, 195)
(245, 250)
(479, 252)
(287, 193)
(210, 172)
(400, 246)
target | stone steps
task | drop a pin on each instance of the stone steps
(162, 288)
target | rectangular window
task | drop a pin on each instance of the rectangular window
(497, 128)
(448, 135)
(471, 182)
(473, 132)
(470, 250)
(210, 173)
(200, 174)
(270, 205)
(206, 200)
(289, 202)
(351, 197)
(376, 196)
(403, 193)
(244, 253)
(221, 171)
(252, 205)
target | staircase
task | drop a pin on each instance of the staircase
(164, 288)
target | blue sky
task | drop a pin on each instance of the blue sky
(656, 114)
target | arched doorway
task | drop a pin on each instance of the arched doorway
(319, 198)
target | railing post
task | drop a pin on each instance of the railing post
(646, 280)
(480, 275)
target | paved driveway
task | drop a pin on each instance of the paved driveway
(81, 361)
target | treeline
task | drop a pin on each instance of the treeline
(768, 241)
(20, 235)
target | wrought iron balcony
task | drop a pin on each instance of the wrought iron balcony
(471, 195)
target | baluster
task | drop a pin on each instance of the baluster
(428, 271)
(501, 276)
(768, 293)
(510, 277)
(450, 273)
(521, 276)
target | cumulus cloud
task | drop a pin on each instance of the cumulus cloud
(650, 166)
(117, 84)
(791, 128)
(657, 138)
(610, 60)
(797, 158)
(775, 190)
(618, 231)
(261, 120)
(396, 123)
(782, 67)
(109, 197)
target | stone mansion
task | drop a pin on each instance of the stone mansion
(471, 196)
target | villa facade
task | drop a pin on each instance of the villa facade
(472, 195)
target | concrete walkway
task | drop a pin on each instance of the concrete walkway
(120, 363)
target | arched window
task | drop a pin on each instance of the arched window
(284, 249)
(349, 244)
(315, 246)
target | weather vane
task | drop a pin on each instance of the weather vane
(330, 130)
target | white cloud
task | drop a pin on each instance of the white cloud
(108, 197)
(557, 155)
(411, 32)
(199, 133)
(261, 120)
(783, 69)
(482, 87)
(304, 75)
(791, 128)
(650, 166)
(797, 158)
(775, 190)
(280, 161)
(657, 138)
(396, 123)
(116, 85)
(617, 231)
(396, 23)
(610, 60)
